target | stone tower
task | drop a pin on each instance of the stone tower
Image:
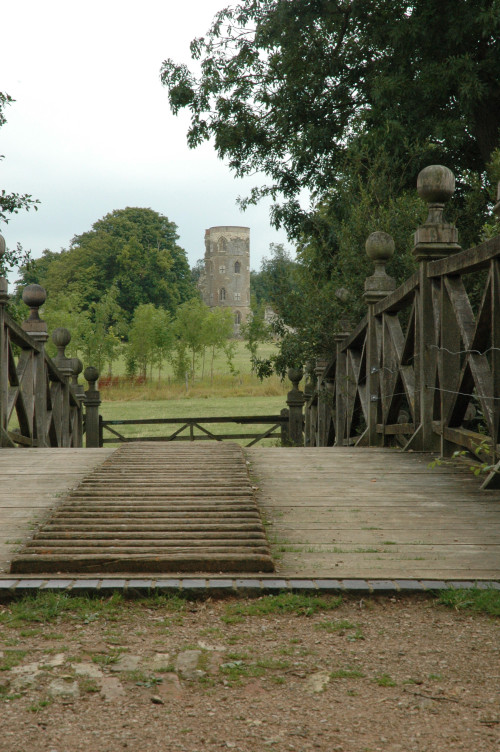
(227, 271)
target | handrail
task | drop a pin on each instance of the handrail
(39, 406)
(430, 381)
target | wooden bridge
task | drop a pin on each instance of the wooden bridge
(420, 373)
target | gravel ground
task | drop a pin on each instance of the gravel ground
(392, 674)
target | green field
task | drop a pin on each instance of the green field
(237, 394)
(191, 408)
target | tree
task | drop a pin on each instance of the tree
(134, 249)
(190, 329)
(151, 338)
(290, 88)
(12, 203)
(218, 328)
(255, 330)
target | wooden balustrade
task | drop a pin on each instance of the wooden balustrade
(422, 370)
(39, 407)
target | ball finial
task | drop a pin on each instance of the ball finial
(34, 296)
(61, 337)
(379, 247)
(91, 374)
(436, 184)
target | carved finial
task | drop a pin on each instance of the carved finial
(3, 247)
(435, 238)
(61, 339)
(295, 375)
(77, 368)
(34, 296)
(380, 249)
(91, 374)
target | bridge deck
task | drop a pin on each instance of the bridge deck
(375, 513)
(341, 513)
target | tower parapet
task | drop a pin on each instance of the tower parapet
(227, 270)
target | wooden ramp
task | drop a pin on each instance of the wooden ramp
(155, 507)
(375, 513)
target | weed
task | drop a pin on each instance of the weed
(11, 658)
(40, 705)
(108, 659)
(336, 626)
(384, 680)
(347, 673)
(435, 677)
(479, 601)
(88, 685)
(236, 669)
(284, 603)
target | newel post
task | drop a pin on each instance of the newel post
(295, 400)
(79, 392)
(341, 394)
(4, 375)
(92, 402)
(380, 249)
(61, 338)
(308, 394)
(433, 240)
(34, 296)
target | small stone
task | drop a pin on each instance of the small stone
(160, 661)
(66, 689)
(111, 688)
(57, 660)
(126, 662)
(215, 648)
(317, 682)
(186, 664)
(88, 669)
(157, 700)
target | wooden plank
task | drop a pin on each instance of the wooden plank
(399, 299)
(465, 262)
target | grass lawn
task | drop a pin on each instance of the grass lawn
(225, 395)
(195, 407)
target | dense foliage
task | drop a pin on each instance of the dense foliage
(288, 88)
(12, 203)
(343, 103)
(133, 249)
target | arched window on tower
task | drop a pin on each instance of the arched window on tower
(237, 317)
(237, 267)
(222, 294)
(222, 245)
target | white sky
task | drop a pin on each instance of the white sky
(91, 130)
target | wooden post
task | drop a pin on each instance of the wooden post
(79, 392)
(341, 390)
(4, 375)
(285, 435)
(34, 297)
(61, 338)
(433, 240)
(380, 249)
(295, 401)
(308, 393)
(92, 402)
(319, 417)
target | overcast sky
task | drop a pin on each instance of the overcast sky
(91, 130)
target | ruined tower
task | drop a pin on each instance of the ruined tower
(227, 271)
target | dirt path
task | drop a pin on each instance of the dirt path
(391, 674)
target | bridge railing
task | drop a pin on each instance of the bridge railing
(39, 405)
(422, 370)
